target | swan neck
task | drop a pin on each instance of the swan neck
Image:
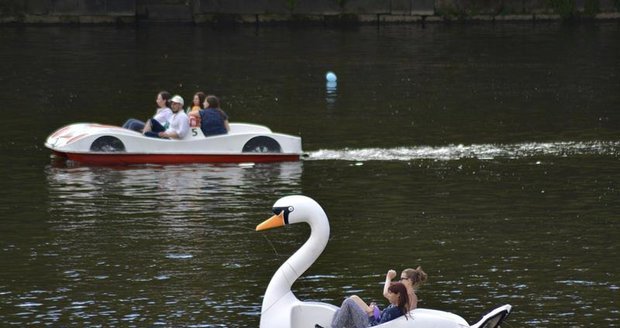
(282, 281)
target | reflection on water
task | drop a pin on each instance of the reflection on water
(331, 94)
(148, 245)
(176, 189)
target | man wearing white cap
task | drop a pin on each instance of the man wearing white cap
(178, 126)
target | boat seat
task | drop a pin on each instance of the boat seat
(320, 314)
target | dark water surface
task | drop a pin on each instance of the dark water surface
(488, 154)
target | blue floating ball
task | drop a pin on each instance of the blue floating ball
(331, 77)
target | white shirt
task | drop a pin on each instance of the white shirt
(163, 115)
(179, 124)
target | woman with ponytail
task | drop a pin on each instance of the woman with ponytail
(412, 279)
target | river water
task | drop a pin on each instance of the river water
(487, 154)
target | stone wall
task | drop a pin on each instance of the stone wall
(301, 11)
(67, 11)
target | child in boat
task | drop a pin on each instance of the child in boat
(197, 102)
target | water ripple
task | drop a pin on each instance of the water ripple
(480, 151)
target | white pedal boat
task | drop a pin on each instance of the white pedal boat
(99, 144)
(281, 309)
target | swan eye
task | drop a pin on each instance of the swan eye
(286, 210)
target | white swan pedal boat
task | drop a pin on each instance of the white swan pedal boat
(93, 143)
(281, 309)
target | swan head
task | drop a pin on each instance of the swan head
(294, 209)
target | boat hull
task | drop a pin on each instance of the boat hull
(97, 144)
(133, 159)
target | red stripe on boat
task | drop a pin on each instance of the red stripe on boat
(127, 159)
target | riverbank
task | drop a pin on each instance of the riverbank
(301, 11)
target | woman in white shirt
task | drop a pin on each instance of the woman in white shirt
(162, 115)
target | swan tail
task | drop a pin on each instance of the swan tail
(494, 318)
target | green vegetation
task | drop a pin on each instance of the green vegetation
(291, 4)
(591, 8)
(447, 11)
(12, 8)
(564, 8)
(567, 9)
